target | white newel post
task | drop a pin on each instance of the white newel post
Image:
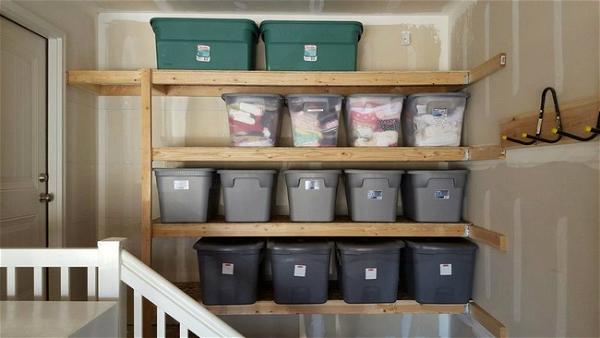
(109, 278)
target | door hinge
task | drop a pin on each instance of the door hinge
(46, 197)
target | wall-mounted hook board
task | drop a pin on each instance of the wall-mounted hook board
(576, 116)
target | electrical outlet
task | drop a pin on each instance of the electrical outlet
(405, 38)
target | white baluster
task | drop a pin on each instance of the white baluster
(38, 279)
(160, 323)
(183, 331)
(11, 283)
(64, 283)
(91, 283)
(137, 314)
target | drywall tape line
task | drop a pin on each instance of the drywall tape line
(559, 68)
(561, 276)
(515, 48)
(517, 259)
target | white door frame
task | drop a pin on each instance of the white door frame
(56, 112)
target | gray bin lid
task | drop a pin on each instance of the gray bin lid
(435, 246)
(444, 173)
(293, 177)
(183, 172)
(374, 172)
(451, 94)
(252, 95)
(392, 96)
(300, 246)
(358, 247)
(229, 245)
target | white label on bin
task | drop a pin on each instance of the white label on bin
(371, 273)
(227, 268)
(203, 53)
(181, 185)
(441, 194)
(445, 269)
(439, 112)
(310, 53)
(376, 195)
(299, 270)
(312, 185)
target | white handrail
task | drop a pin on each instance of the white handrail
(171, 300)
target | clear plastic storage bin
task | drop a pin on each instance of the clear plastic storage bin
(373, 120)
(315, 119)
(253, 119)
(433, 119)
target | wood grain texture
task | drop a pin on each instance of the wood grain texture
(482, 153)
(104, 77)
(282, 227)
(146, 166)
(575, 116)
(489, 237)
(493, 325)
(325, 154)
(487, 68)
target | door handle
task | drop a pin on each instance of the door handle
(43, 177)
(46, 197)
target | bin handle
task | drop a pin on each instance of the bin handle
(304, 179)
(364, 180)
(247, 179)
(433, 180)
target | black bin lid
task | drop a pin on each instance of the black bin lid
(441, 246)
(229, 245)
(359, 247)
(300, 246)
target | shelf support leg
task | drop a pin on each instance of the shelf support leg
(146, 186)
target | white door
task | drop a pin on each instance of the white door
(23, 218)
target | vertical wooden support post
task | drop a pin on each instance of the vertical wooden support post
(109, 278)
(146, 184)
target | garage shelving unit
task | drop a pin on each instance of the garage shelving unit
(148, 83)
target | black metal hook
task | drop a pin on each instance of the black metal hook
(511, 139)
(558, 121)
(594, 130)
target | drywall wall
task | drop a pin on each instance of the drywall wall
(545, 199)
(126, 41)
(80, 126)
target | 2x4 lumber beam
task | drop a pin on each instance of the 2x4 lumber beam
(489, 237)
(494, 326)
(146, 165)
(105, 77)
(489, 67)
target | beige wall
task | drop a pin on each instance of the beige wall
(545, 199)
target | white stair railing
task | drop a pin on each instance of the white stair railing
(109, 269)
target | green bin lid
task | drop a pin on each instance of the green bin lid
(267, 24)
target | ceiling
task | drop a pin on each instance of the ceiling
(275, 6)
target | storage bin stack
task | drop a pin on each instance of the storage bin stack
(228, 270)
(433, 119)
(315, 119)
(373, 120)
(312, 194)
(300, 271)
(372, 195)
(369, 270)
(253, 119)
(247, 194)
(186, 194)
(183, 43)
(439, 271)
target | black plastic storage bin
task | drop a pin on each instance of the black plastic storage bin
(300, 270)
(369, 270)
(229, 269)
(439, 271)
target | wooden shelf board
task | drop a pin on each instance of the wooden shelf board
(325, 154)
(335, 307)
(282, 227)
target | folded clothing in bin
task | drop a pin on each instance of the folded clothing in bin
(369, 270)
(312, 194)
(186, 194)
(315, 119)
(253, 119)
(433, 119)
(372, 195)
(229, 269)
(433, 195)
(300, 270)
(247, 194)
(373, 120)
(439, 271)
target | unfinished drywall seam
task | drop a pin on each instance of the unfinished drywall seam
(559, 68)
(561, 276)
(517, 249)
(514, 60)
(487, 97)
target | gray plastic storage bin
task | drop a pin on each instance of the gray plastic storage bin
(369, 270)
(300, 270)
(372, 195)
(312, 194)
(229, 269)
(433, 119)
(439, 271)
(433, 195)
(315, 119)
(253, 119)
(184, 194)
(247, 194)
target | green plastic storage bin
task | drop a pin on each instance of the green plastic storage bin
(223, 44)
(311, 45)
